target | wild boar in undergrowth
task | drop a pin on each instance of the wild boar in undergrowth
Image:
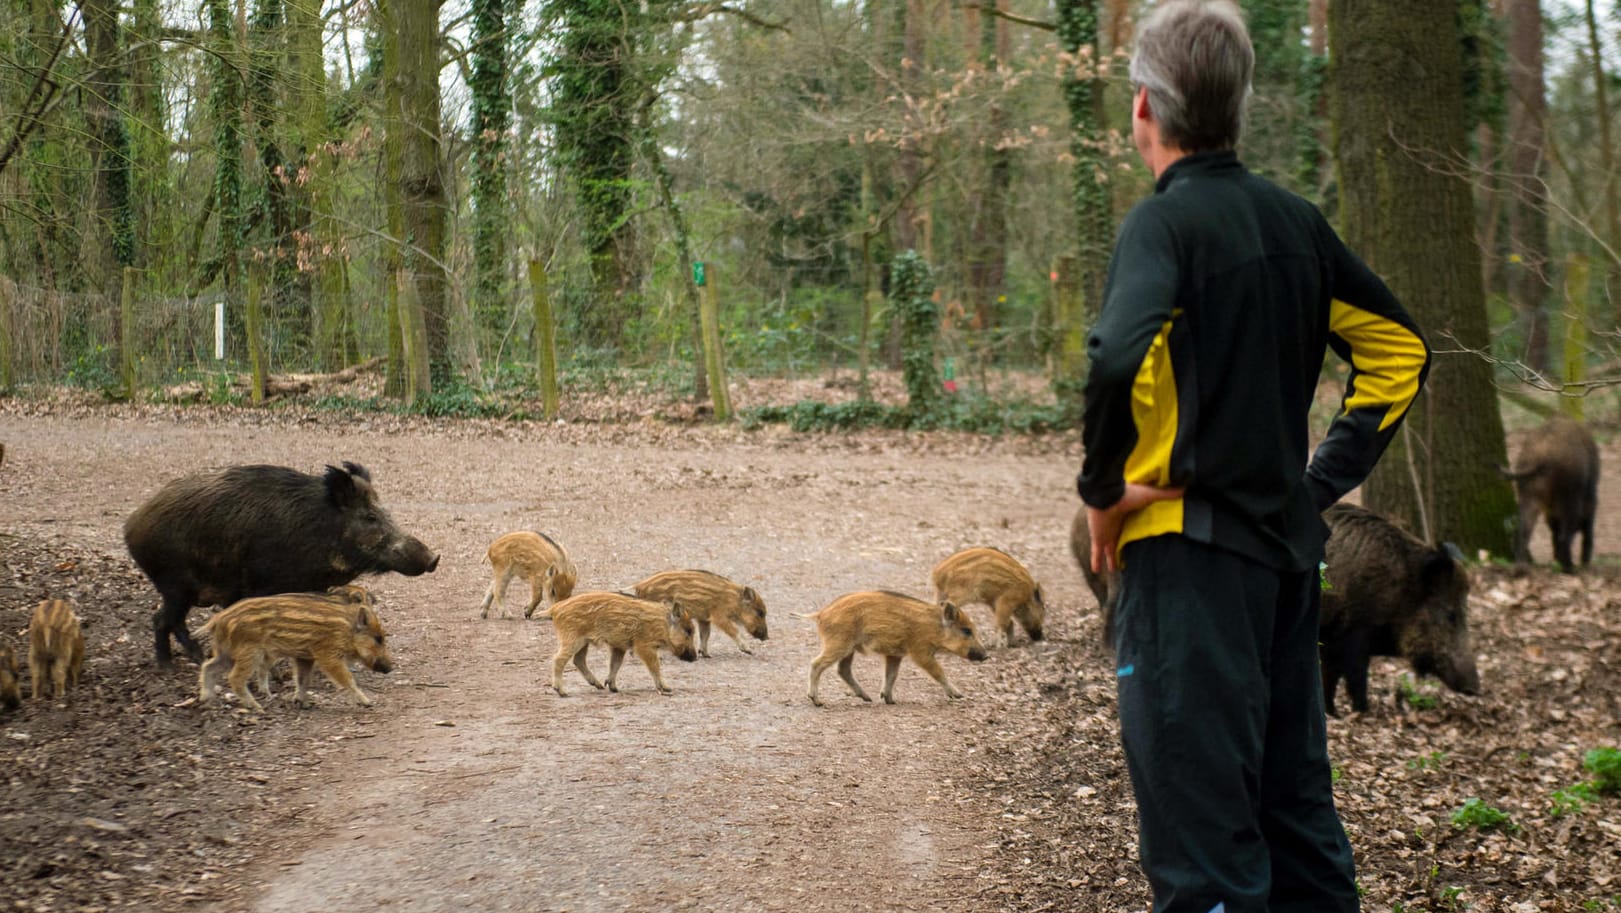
(622, 623)
(314, 630)
(10, 678)
(1388, 594)
(892, 625)
(1105, 586)
(218, 537)
(539, 560)
(55, 647)
(710, 600)
(1556, 476)
(997, 579)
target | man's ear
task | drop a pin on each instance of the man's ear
(1140, 108)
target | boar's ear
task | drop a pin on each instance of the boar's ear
(1040, 600)
(341, 489)
(1439, 570)
(678, 615)
(362, 619)
(950, 613)
(356, 470)
(551, 572)
(750, 596)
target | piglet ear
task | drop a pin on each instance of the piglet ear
(362, 619)
(949, 612)
(749, 595)
(678, 616)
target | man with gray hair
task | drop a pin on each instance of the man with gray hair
(1224, 292)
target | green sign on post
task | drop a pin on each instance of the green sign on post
(698, 273)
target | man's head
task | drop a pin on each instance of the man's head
(1194, 59)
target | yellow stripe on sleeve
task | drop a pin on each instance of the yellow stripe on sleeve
(1387, 356)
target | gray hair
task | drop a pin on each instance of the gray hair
(1195, 59)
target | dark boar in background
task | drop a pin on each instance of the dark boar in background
(1389, 594)
(218, 537)
(1556, 476)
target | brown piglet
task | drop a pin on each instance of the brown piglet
(622, 623)
(539, 560)
(312, 629)
(55, 647)
(995, 578)
(709, 599)
(892, 625)
(10, 678)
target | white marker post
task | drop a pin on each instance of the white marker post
(219, 331)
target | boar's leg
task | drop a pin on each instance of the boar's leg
(560, 662)
(336, 669)
(892, 669)
(1005, 608)
(847, 672)
(59, 677)
(616, 658)
(703, 637)
(36, 671)
(208, 676)
(729, 628)
(1587, 537)
(649, 655)
(496, 594)
(1328, 658)
(929, 664)
(1562, 532)
(1354, 651)
(170, 618)
(818, 666)
(579, 663)
(241, 669)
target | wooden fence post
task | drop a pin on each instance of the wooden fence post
(714, 355)
(545, 338)
(1578, 270)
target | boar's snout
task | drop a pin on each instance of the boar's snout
(381, 664)
(1462, 678)
(1035, 634)
(688, 654)
(977, 654)
(412, 558)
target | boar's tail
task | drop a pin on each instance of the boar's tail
(809, 616)
(1523, 474)
(545, 613)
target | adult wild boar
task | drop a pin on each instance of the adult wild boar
(218, 537)
(1389, 594)
(1556, 476)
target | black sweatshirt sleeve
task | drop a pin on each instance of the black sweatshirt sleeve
(1389, 362)
(1137, 304)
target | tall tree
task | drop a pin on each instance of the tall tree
(492, 116)
(1397, 102)
(987, 211)
(109, 140)
(594, 109)
(1527, 178)
(415, 169)
(288, 297)
(225, 104)
(1090, 198)
(320, 247)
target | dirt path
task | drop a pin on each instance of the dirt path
(471, 786)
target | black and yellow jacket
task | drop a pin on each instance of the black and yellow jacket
(1223, 293)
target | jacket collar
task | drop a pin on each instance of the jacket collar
(1213, 163)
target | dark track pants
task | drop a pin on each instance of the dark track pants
(1221, 715)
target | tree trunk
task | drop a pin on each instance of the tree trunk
(596, 151)
(492, 114)
(226, 107)
(1094, 217)
(1612, 194)
(1527, 197)
(987, 255)
(286, 295)
(1396, 82)
(414, 133)
(320, 247)
(109, 144)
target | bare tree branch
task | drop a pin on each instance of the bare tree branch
(41, 96)
(1012, 17)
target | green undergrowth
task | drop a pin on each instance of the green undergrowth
(967, 413)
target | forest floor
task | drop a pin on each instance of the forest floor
(469, 785)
